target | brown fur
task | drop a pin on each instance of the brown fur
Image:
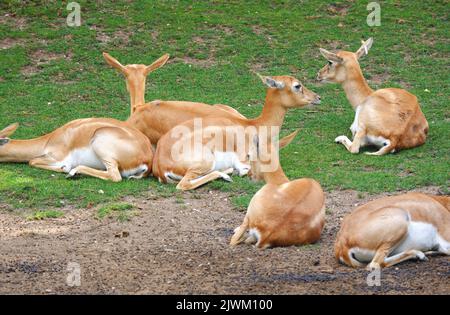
(381, 224)
(156, 118)
(391, 113)
(284, 212)
(278, 101)
(119, 146)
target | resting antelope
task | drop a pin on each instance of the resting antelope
(155, 118)
(104, 148)
(387, 231)
(214, 152)
(282, 212)
(390, 119)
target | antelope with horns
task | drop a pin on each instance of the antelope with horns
(390, 118)
(390, 230)
(282, 212)
(156, 118)
(104, 148)
(212, 152)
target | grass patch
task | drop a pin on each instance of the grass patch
(120, 211)
(315, 246)
(45, 214)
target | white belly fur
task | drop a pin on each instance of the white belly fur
(87, 157)
(224, 160)
(84, 156)
(368, 140)
(421, 236)
(354, 127)
(376, 141)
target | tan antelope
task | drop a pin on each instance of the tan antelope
(155, 118)
(100, 147)
(214, 152)
(387, 231)
(390, 119)
(282, 212)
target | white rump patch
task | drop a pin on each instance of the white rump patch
(361, 255)
(136, 172)
(226, 160)
(255, 233)
(172, 178)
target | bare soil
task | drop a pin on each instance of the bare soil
(42, 57)
(176, 246)
(7, 43)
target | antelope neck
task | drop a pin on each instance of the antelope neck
(356, 87)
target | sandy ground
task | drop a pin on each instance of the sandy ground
(172, 247)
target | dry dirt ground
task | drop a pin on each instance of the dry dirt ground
(174, 247)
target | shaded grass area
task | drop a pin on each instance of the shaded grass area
(56, 73)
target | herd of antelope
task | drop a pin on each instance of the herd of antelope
(380, 233)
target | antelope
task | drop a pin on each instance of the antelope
(211, 159)
(282, 212)
(100, 147)
(390, 119)
(156, 118)
(389, 230)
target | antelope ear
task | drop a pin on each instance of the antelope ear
(113, 62)
(330, 56)
(288, 139)
(364, 49)
(161, 61)
(271, 82)
(9, 130)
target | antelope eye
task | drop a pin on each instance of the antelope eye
(330, 63)
(297, 86)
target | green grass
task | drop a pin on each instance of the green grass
(411, 47)
(46, 214)
(121, 211)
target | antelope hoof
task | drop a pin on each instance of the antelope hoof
(226, 177)
(244, 171)
(421, 256)
(229, 171)
(373, 266)
(339, 139)
(72, 173)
